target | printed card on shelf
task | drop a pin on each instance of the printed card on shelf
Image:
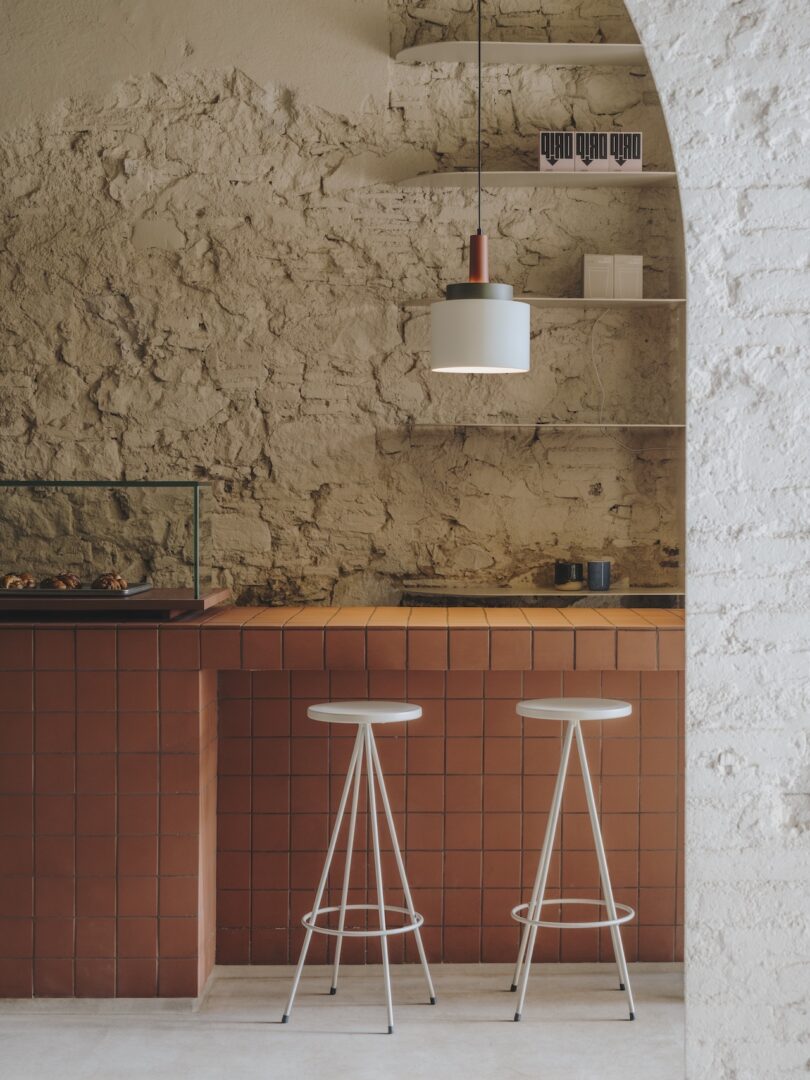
(591, 151)
(597, 277)
(625, 151)
(556, 151)
(628, 277)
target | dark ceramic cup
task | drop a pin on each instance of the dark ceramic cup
(599, 576)
(568, 574)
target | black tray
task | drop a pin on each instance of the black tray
(86, 591)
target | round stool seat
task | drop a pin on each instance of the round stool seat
(574, 708)
(364, 712)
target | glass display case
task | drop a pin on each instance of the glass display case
(136, 542)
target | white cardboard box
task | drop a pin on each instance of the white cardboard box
(598, 277)
(625, 151)
(556, 151)
(628, 277)
(592, 151)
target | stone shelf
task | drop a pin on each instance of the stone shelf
(549, 53)
(468, 178)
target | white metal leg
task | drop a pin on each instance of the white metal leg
(401, 866)
(607, 890)
(375, 836)
(358, 769)
(358, 743)
(529, 935)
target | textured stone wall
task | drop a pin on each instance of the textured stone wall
(734, 87)
(203, 277)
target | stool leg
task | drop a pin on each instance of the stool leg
(347, 871)
(375, 836)
(615, 931)
(401, 867)
(356, 762)
(529, 935)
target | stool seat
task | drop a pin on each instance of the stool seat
(574, 708)
(364, 712)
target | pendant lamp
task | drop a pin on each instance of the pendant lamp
(479, 329)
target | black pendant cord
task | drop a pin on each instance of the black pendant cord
(479, 117)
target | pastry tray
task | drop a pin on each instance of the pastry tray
(85, 592)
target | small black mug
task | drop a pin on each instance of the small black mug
(599, 576)
(568, 575)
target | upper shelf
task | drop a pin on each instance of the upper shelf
(468, 178)
(559, 54)
(575, 301)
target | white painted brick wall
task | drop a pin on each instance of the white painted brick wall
(735, 87)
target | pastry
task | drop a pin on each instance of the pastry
(11, 581)
(28, 580)
(112, 582)
(52, 583)
(70, 580)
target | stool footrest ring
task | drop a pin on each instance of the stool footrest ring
(309, 921)
(629, 914)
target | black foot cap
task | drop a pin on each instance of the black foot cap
(333, 990)
(517, 1017)
(632, 1016)
(284, 1018)
(513, 987)
(390, 1029)
(621, 986)
(433, 1001)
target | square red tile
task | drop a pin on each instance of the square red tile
(427, 650)
(95, 938)
(16, 649)
(137, 938)
(346, 649)
(465, 684)
(463, 793)
(671, 650)
(469, 650)
(54, 690)
(95, 978)
(502, 755)
(261, 649)
(303, 650)
(221, 647)
(54, 649)
(386, 649)
(511, 650)
(179, 648)
(95, 648)
(637, 650)
(178, 978)
(137, 648)
(95, 774)
(179, 896)
(179, 691)
(177, 938)
(136, 978)
(553, 650)
(55, 897)
(463, 831)
(137, 691)
(53, 978)
(96, 732)
(96, 856)
(595, 650)
(137, 856)
(18, 692)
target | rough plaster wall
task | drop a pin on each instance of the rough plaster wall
(205, 277)
(734, 87)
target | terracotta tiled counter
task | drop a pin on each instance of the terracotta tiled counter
(126, 868)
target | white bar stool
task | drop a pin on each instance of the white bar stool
(364, 714)
(572, 711)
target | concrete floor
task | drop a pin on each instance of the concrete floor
(574, 1027)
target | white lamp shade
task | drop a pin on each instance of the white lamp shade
(479, 337)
